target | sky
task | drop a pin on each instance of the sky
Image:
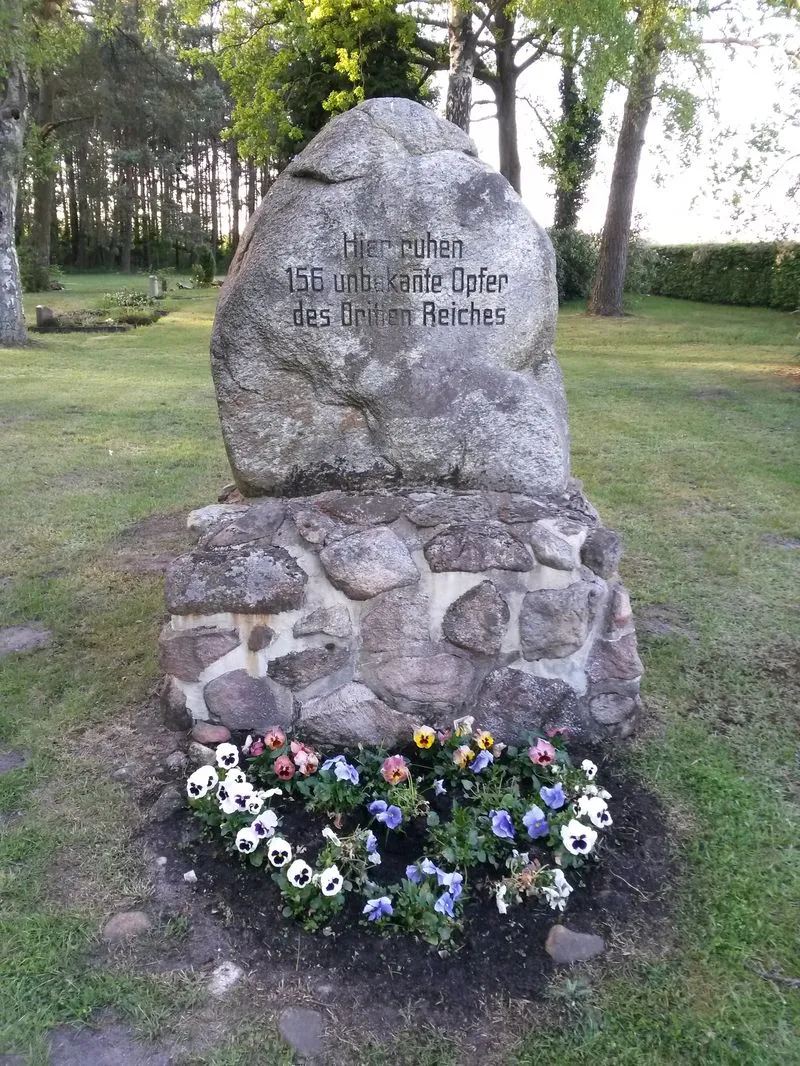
(677, 200)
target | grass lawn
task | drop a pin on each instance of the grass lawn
(685, 432)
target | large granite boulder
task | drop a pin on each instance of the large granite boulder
(388, 319)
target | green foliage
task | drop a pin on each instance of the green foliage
(749, 275)
(576, 259)
(127, 298)
(204, 266)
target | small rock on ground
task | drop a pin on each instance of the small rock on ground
(564, 946)
(24, 638)
(224, 978)
(200, 755)
(12, 760)
(103, 1047)
(177, 762)
(125, 926)
(170, 801)
(209, 734)
(303, 1030)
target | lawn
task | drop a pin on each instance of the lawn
(685, 432)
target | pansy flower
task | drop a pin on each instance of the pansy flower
(342, 769)
(444, 905)
(265, 825)
(502, 826)
(429, 868)
(376, 909)
(463, 726)
(481, 761)
(578, 839)
(305, 759)
(394, 770)
(453, 882)
(391, 816)
(438, 787)
(299, 874)
(463, 755)
(542, 753)
(558, 892)
(329, 834)
(236, 776)
(589, 768)
(424, 737)
(554, 797)
(444, 735)
(201, 782)
(227, 756)
(330, 881)
(370, 842)
(274, 738)
(258, 747)
(483, 739)
(284, 768)
(413, 874)
(536, 823)
(500, 899)
(246, 840)
(279, 852)
(255, 803)
(595, 809)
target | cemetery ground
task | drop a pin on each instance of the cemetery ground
(685, 432)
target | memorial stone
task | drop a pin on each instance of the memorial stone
(406, 544)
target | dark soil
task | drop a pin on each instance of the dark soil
(495, 956)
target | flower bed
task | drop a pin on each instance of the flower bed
(403, 841)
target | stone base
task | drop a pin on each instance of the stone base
(356, 616)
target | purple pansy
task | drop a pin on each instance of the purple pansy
(554, 797)
(536, 823)
(413, 874)
(371, 842)
(502, 826)
(342, 769)
(481, 761)
(428, 867)
(378, 908)
(382, 812)
(453, 882)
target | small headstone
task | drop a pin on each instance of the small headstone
(565, 946)
(125, 926)
(153, 290)
(303, 1029)
(45, 317)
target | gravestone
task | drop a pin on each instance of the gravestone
(153, 289)
(406, 544)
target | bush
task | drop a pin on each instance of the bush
(204, 266)
(127, 298)
(576, 259)
(748, 275)
(642, 265)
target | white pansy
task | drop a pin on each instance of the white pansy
(329, 834)
(255, 803)
(589, 769)
(500, 898)
(597, 810)
(227, 756)
(235, 777)
(558, 892)
(246, 840)
(578, 839)
(299, 874)
(373, 858)
(279, 852)
(438, 787)
(247, 744)
(237, 798)
(330, 881)
(265, 825)
(201, 782)
(462, 726)
(270, 793)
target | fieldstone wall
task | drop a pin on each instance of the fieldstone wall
(356, 615)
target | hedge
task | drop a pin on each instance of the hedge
(750, 275)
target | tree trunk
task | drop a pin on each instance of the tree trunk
(462, 65)
(72, 207)
(612, 260)
(13, 106)
(575, 150)
(265, 180)
(43, 188)
(505, 92)
(214, 191)
(236, 177)
(125, 205)
(251, 188)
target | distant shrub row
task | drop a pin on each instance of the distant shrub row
(576, 259)
(750, 275)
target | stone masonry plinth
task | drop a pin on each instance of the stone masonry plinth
(354, 616)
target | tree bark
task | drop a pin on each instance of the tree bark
(125, 202)
(251, 187)
(236, 177)
(505, 93)
(612, 261)
(13, 109)
(214, 192)
(43, 183)
(462, 65)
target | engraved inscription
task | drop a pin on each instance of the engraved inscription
(357, 292)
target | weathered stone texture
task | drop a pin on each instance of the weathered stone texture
(477, 620)
(477, 546)
(511, 702)
(602, 551)
(240, 701)
(436, 678)
(335, 621)
(556, 622)
(305, 409)
(186, 653)
(550, 549)
(243, 580)
(367, 563)
(351, 715)
(300, 668)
